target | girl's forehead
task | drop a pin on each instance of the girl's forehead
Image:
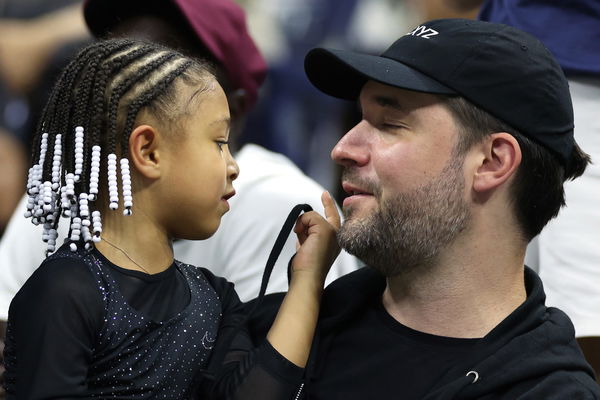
(192, 96)
(206, 105)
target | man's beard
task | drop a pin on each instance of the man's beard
(409, 230)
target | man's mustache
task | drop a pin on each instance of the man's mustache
(352, 176)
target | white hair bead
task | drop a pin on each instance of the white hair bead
(94, 172)
(96, 226)
(126, 181)
(83, 206)
(35, 205)
(75, 229)
(78, 152)
(113, 191)
(70, 187)
(56, 161)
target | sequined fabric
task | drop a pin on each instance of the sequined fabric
(138, 358)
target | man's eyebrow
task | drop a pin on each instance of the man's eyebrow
(386, 101)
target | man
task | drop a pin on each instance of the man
(566, 252)
(459, 160)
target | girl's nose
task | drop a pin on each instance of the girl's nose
(233, 170)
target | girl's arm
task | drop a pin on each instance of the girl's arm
(52, 325)
(274, 369)
(294, 327)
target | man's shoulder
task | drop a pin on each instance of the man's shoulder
(558, 385)
(532, 354)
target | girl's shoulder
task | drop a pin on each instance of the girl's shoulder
(63, 270)
(61, 284)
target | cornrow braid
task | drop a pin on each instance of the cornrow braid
(99, 86)
(89, 116)
(147, 97)
(126, 85)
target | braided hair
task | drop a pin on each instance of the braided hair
(89, 115)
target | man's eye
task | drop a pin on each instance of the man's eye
(391, 126)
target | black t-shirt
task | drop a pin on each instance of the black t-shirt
(159, 296)
(375, 339)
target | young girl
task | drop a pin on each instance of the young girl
(133, 148)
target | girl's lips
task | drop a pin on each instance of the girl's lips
(227, 197)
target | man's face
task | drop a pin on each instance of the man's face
(405, 183)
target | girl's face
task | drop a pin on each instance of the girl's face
(201, 168)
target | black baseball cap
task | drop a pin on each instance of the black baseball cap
(503, 70)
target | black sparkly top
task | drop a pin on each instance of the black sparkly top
(84, 327)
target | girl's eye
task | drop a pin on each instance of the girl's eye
(221, 143)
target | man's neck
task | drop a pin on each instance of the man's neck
(465, 293)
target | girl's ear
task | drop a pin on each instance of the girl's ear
(144, 151)
(501, 156)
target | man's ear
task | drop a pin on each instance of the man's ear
(144, 151)
(501, 156)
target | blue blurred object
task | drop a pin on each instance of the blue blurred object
(291, 111)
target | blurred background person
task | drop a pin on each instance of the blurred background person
(566, 253)
(31, 33)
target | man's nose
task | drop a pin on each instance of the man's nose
(352, 148)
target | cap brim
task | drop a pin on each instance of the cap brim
(342, 74)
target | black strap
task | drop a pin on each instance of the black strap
(285, 231)
(218, 355)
